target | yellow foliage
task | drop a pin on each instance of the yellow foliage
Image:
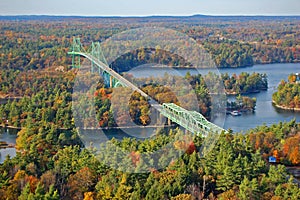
(183, 197)
(88, 196)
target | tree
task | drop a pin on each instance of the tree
(25, 192)
(81, 182)
(52, 194)
(155, 192)
(183, 197)
(137, 191)
(226, 180)
(288, 191)
(291, 149)
(277, 175)
(88, 196)
(123, 192)
(248, 189)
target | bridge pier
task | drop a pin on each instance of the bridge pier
(111, 82)
(159, 118)
(169, 122)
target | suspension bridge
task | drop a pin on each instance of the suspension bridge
(190, 120)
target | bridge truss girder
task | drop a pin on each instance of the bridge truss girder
(190, 120)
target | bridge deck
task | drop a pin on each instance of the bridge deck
(190, 120)
(106, 68)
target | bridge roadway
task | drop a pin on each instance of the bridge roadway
(106, 68)
(190, 120)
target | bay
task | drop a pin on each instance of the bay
(265, 112)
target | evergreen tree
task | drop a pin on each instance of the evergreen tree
(248, 189)
(25, 192)
(226, 180)
(156, 192)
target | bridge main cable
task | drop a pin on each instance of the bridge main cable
(190, 120)
(113, 73)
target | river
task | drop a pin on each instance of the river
(265, 112)
(9, 136)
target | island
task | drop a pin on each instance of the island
(287, 96)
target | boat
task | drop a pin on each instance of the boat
(235, 113)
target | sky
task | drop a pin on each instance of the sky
(149, 7)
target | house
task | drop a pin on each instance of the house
(272, 159)
(297, 78)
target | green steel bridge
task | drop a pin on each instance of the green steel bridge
(192, 121)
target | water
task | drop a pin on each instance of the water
(265, 112)
(9, 136)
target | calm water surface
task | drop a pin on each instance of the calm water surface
(265, 112)
(9, 136)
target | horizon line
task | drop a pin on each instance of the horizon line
(154, 15)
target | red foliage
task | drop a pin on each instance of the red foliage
(135, 158)
(191, 148)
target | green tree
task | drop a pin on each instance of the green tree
(156, 192)
(249, 189)
(288, 191)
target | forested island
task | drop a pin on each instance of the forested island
(288, 95)
(241, 104)
(47, 96)
(244, 83)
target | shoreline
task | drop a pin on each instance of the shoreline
(285, 108)
(10, 127)
(100, 128)
(218, 68)
(245, 93)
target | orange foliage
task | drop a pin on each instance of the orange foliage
(80, 183)
(276, 155)
(102, 93)
(291, 149)
(269, 140)
(22, 178)
(33, 182)
(188, 146)
(145, 119)
(294, 156)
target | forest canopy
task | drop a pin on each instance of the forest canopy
(232, 42)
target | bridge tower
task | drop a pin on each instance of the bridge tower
(76, 47)
(95, 51)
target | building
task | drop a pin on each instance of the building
(272, 159)
(297, 78)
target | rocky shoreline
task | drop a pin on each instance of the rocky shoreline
(285, 108)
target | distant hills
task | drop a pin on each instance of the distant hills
(154, 18)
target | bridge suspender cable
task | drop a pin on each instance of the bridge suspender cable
(190, 120)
